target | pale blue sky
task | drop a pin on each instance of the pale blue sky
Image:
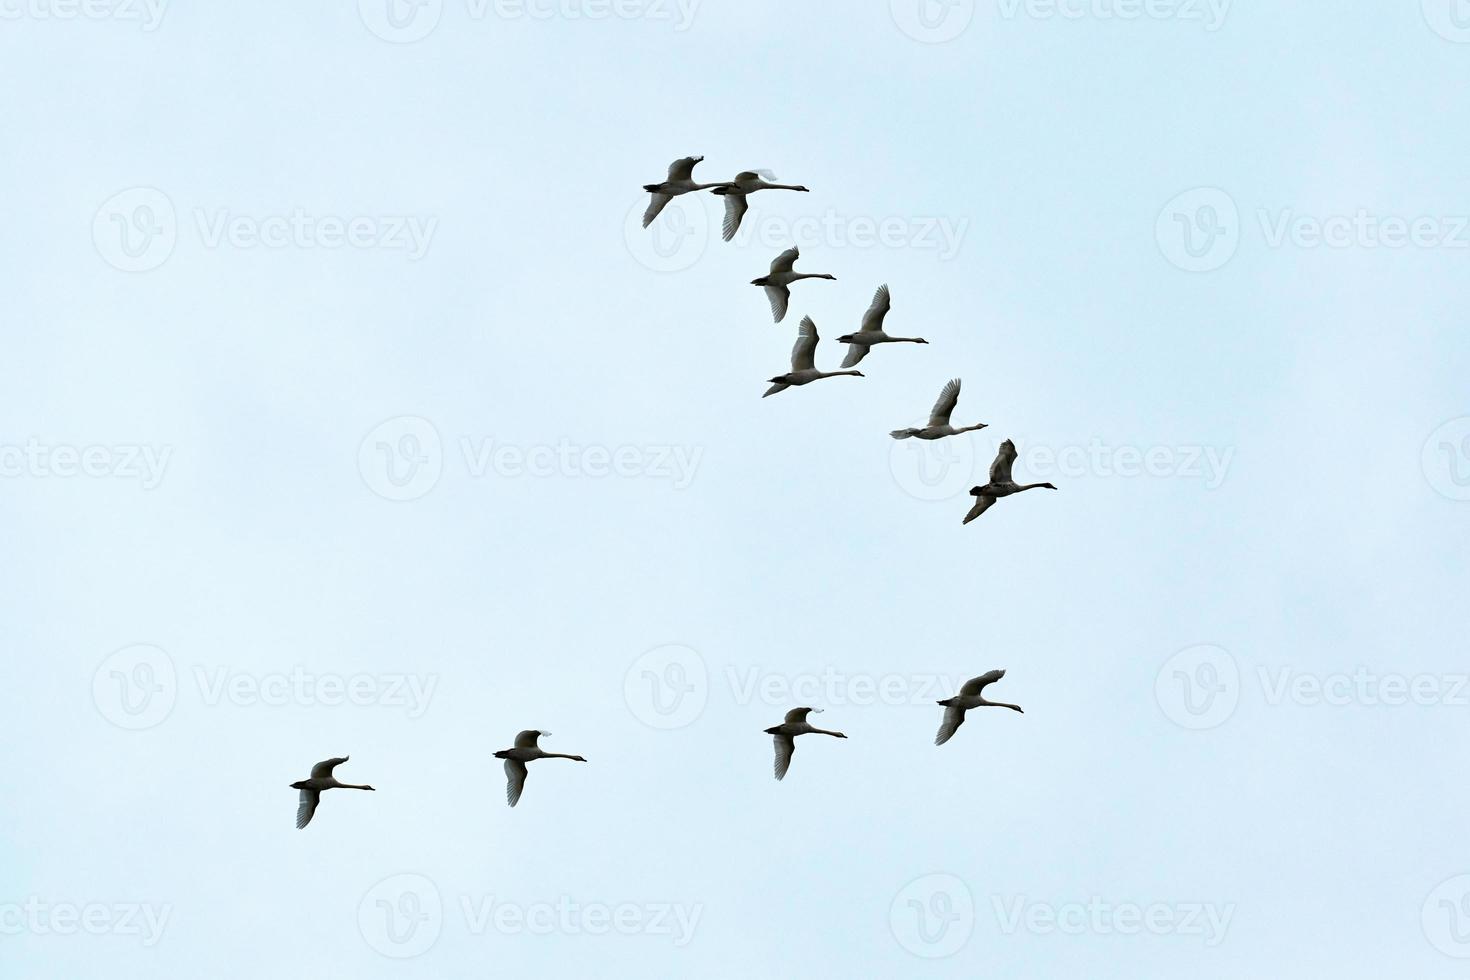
(362, 243)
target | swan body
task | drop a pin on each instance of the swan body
(312, 788)
(680, 181)
(525, 750)
(778, 282)
(871, 333)
(785, 736)
(1001, 484)
(735, 192)
(803, 362)
(939, 426)
(971, 696)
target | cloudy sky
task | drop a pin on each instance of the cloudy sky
(347, 409)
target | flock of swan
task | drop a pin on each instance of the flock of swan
(777, 284)
(527, 747)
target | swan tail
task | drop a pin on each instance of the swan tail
(946, 702)
(904, 433)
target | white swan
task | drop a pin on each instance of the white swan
(735, 192)
(785, 736)
(1001, 484)
(872, 331)
(525, 750)
(939, 426)
(970, 696)
(803, 364)
(681, 181)
(778, 283)
(312, 788)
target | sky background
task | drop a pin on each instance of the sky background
(413, 492)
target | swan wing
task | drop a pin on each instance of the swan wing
(873, 319)
(804, 354)
(855, 353)
(306, 807)
(1000, 470)
(324, 768)
(785, 748)
(975, 685)
(944, 407)
(787, 259)
(779, 296)
(683, 168)
(982, 504)
(735, 207)
(954, 717)
(527, 738)
(656, 204)
(515, 780)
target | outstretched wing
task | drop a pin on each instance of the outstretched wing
(855, 353)
(804, 354)
(656, 204)
(1000, 470)
(873, 319)
(982, 504)
(785, 747)
(306, 808)
(780, 297)
(735, 207)
(798, 714)
(527, 738)
(787, 259)
(954, 717)
(944, 407)
(747, 176)
(515, 780)
(975, 685)
(324, 768)
(683, 168)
